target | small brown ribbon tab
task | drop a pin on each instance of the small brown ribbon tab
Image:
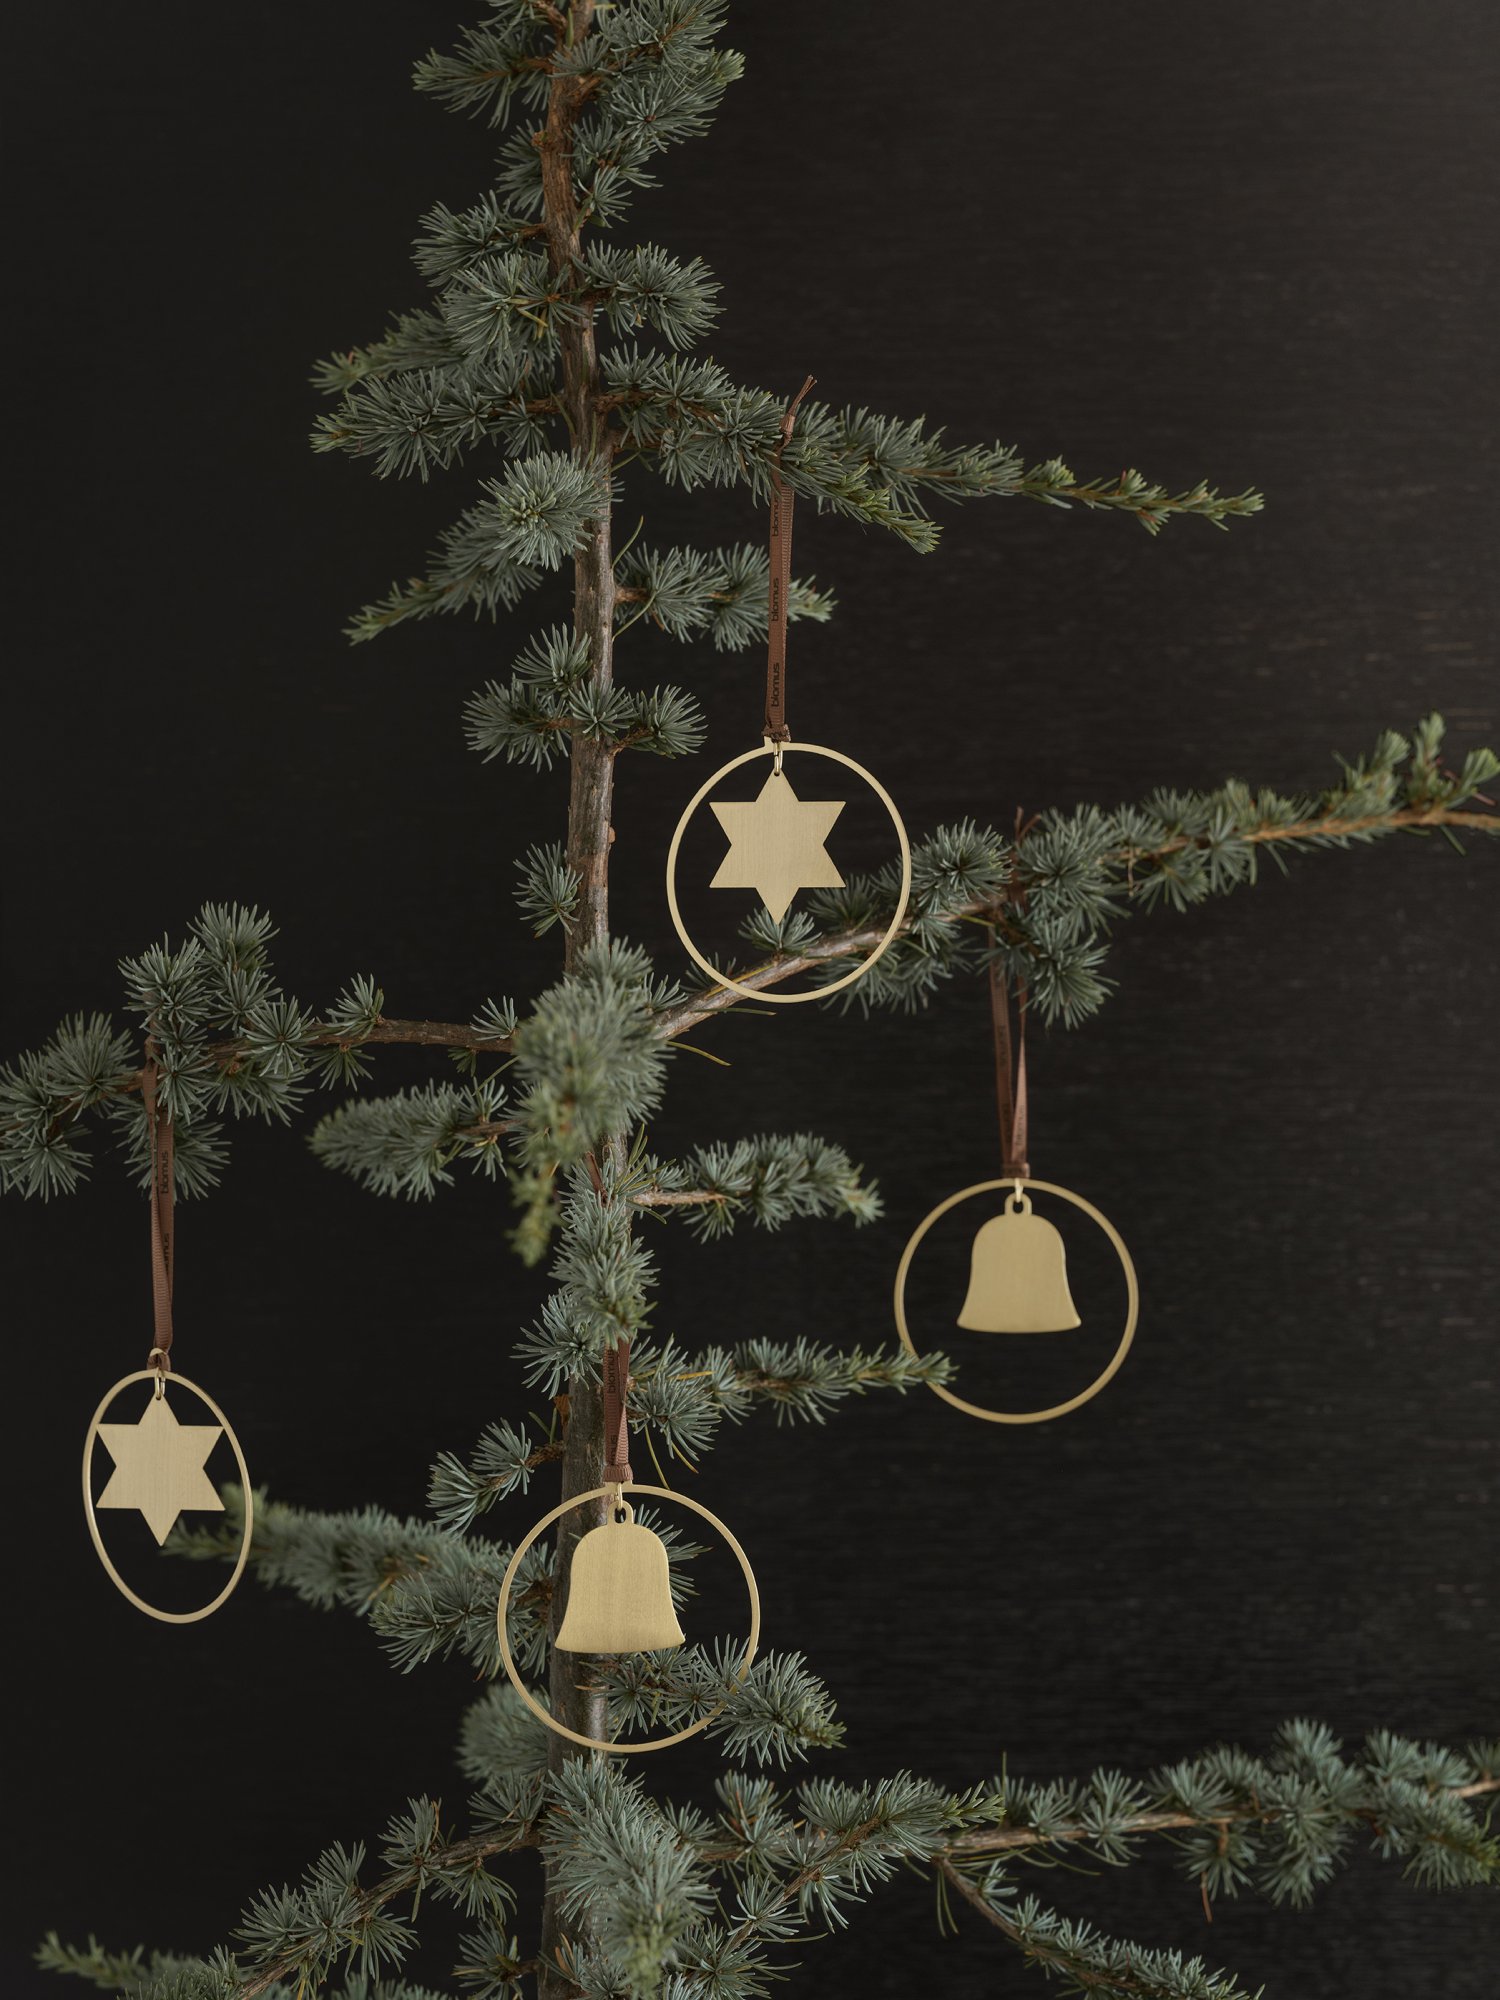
(1010, 1069)
(159, 1129)
(780, 584)
(616, 1428)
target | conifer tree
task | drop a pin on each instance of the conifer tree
(553, 362)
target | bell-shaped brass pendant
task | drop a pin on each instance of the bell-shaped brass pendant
(1018, 1279)
(619, 1591)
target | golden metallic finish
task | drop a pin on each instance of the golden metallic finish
(1018, 1275)
(1132, 1295)
(159, 1468)
(777, 881)
(507, 1660)
(777, 844)
(619, 1591)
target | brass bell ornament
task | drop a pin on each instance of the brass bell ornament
(1019, 1284)
(1018, 1275)
(619, 1579)
(618, 1606)
(619, 1590)
(1018, 1270)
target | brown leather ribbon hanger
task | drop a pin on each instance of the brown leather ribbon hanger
(1010, 1043)
(782, 497)
(159, 1129)
(1010, 1069)
(617, 1470)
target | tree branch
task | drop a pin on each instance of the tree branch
(709, 1002)
(714, 1000)
(400, 1882)
(974, 1896)
(590, 835)
(424, 1034)
(845, 1843)
(1009, 1839)
(676, 1198)
(415, 1034)
(1035, 1948)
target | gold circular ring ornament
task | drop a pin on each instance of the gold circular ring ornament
(776, 751)
(508, 1662)
(191, 1472)
(1132, 1298)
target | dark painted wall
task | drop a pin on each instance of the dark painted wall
(1250, 244)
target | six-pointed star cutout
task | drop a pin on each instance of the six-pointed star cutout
(159, 1466)
(776, 844)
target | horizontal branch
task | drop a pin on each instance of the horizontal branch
(711, 1001)
(836, 1842)
(413, 1034)
(424, 1034)
(1337, 827)
(1008, 1839)
(703, 1006)
(677, 1197)
(1049, 900)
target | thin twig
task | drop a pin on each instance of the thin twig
(845, 1844)
(422, 1034)
(1034, 1948)
(972, 1894)
(673, 1198)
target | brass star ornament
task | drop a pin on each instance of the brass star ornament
(160, 1467)
(776, 844)
(776, 847)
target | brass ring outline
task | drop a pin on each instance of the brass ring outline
(776, 750)
(89, 1442)
(507, 1659)
(1132, 1297)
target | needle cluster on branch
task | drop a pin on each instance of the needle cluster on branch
(697, 1904)
(560, 368)
(590, 1050)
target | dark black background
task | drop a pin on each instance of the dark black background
(1246, 243)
